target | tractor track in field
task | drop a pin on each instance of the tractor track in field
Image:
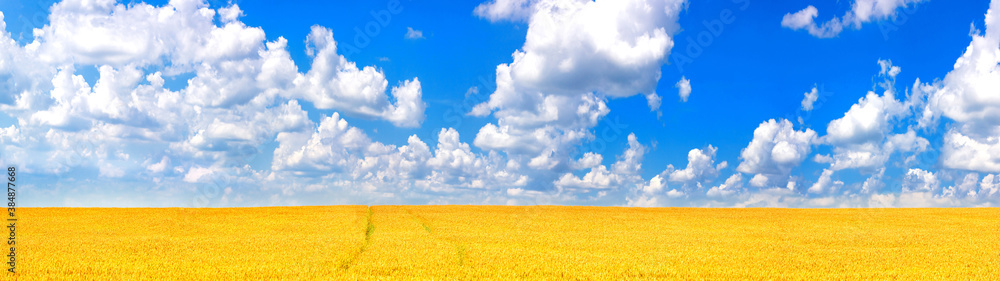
(459, 247)
(369, 230)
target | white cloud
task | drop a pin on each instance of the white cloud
(337, 150)
(963, 188)
(554, 123)
(514, 10)
(589, 160)
(918, 180)
(453, 156)
(968, 97)
(161, 166)
(806, 19)
(597, 178)
(989, 187)
(759, 180)
(866, 121)
(823, 158)
(862, 11)
(863, 137)
(673, 193)
(413, 33)
(245, 92)
(964, 152)
(683, 88)
(776, 148)
(629, 163)
(809, 99)
(888, 69)
(825, 183)
(732, 185)
(335, 83)
(654, 101)
(701, 166)
(195, 174)
(643, 201)
(614, 48)
(334, 146)
(800, 19)
(882, 200)
(655, 185)
(233, 63)
(624, 172)
(576, 54)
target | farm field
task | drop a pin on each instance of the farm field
(501, 242)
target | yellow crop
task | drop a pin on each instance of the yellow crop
(492, 242)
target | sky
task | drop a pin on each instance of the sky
(716, 103)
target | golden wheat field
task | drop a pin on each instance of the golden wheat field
(493, 242)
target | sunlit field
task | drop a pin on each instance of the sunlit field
(493, 242)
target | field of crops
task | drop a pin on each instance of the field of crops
(493, 242)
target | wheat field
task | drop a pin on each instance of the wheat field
(500, 242)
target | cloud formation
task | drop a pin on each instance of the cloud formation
(683, 88)
(576, 55)
(861, 12)
(184, 95)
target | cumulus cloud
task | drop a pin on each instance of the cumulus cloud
(597, 178)
(334, 146)
(243, 92)
(655, 185)
(865, 121)
(181, 32)
(825, 183)
(624, 172)
(576, 55)
(337, 149)
(776, 148)
(196, 174)
(575, 47)
(989, 187)
(333, 82)
(701, 166)
(862, 11)
(683, 88)
(732, 185)
(918, 180)
(650, 193)
(589, 160)
(809, 99)
(967, 153)
(968, 96)
(553, 123)
(232, 63)
(863, 137)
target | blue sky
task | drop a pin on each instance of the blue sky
(251, 103)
